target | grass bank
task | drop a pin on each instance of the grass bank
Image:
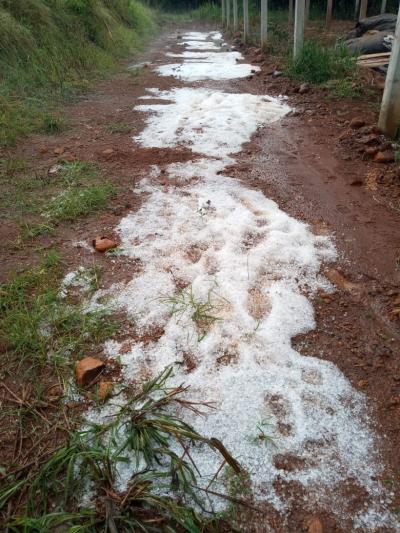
(52, 49)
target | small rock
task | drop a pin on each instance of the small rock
(105, 390)
(357, 123)
(179, 37)
(384, 157)
(362, 383)
(304, 88)
(59, 150)
(102, 244)
(253, 71)
(43, 150)
(87, 370)
(371, 150)
(107, 152)
(277, 73)
(315, 526)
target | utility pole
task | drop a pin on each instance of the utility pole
(235, 15)
(264, 22)
(363, 9)
(298, 27)
(245, 20)
(389, 118)
(223, 3)
(383, 7)
(329, 7)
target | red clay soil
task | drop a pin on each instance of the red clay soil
(317, 169)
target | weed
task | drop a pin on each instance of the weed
(143, 435)
(30, 231)
(345, 88)
(262, 437)
(75, 203)
(38, 326)
(185, 306)
(53, 124)
(118, 127)
(318, 64)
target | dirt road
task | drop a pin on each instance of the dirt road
(254, 258)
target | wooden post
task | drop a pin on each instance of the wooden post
(329, 7)
(383, 7)
(264, 22)
(245, 20)
(291, 2)
(223, 3)
(356, 10)
(298, 27)
(363, 9)
(228, 14)
(235, 15)
(389, 118)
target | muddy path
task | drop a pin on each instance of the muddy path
(300, 339)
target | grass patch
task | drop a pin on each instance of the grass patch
(151, 441)
(39, 327)
(318, 64)
(37, 202)
(186, 308)
(50, 51)
(118, 127)
(75, 203)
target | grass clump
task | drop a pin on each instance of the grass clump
(74, 203)
(38, 327)
(118, 127)
(145, 437)
(37, 202)
(318, 64)
(187, 308)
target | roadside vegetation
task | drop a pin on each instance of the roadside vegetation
(51, 50)
(38, 202)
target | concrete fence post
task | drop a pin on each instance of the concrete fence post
(264, 22)
(363, 9)
(235, 15)
(356, 10)
(298, 27)
(245, 20)
(389, 118)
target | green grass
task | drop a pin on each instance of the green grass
(202, 312)
(37, 202)
(118, 127)
(208, 11)
(50, 50)
(39, 327)
(74, 203)
(318, 64)
(144, 431)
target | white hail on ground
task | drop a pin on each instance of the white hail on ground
(260, 268)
